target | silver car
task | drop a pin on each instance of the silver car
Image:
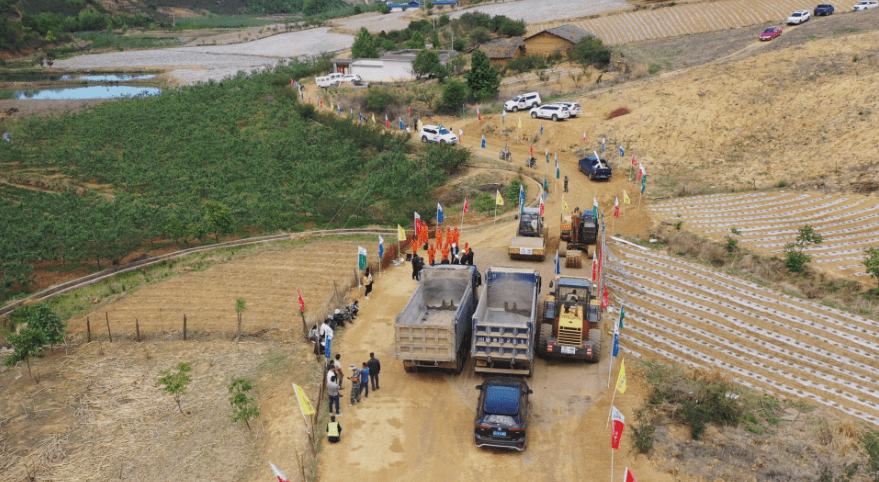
(573, 107)
(550, 111)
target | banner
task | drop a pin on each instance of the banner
(301, 301)
(621, 378)
(439, 213)
(304, 404)
(619, 423)
(381, 247)
(417, 223)
(361, 257)
(622, 316)
(401, 233)
(499, 200)
(466, 206)
(626, 199)
(616, 341)
(622, 152)
(558, 267)
(483, 142)
(280, 475)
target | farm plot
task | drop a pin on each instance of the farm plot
(769, 341)
(535, 11)
(768, 221)
(681, 19)
(267, 282)
(373, 21)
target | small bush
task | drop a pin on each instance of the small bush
(591, 51)
(379, 99)
(645, 432)
(782, 184)
(617, 113)
(654, 68)
(527, 63)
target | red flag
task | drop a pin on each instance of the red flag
(616, 207)
(541, 205)
(301, 301)
(409, 110)
(417, 222)
(634, 163)
(604, 301)
(584, 137)
(594, 266)
(532, 150)
(280, 475)
(466, 206)
(478, 115)
(619, 423)
(321, 102)
(292, 83)
(640, 172)
(629, 476)
(387, 123)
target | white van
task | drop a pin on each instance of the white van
(329, 80)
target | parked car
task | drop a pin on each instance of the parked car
(437, 134)
(798, 17)
(329, 80)
(573, 107)
(353, 78)
(770, 33)
(866, 5)
(823, 10)
(502, 413)
(550, 111)
(523, 101)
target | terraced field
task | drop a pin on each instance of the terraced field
(691, 315)
(768, 221)
(685, 19)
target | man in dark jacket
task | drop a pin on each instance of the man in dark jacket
(374, 368)
(415, 262)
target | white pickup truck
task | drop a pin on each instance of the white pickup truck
(335, 79)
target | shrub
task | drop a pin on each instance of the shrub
(455, 94)
(782, 184)
(617, 113)
(480, 35)
(591, 51)
(527, 63)
(484, 203)
(512, 194)
(645, 432)
(379, 99)
(443, 20)
(459, 44)
(794, 254)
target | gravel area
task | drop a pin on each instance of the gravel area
(532, 11)
(374, 22)
(216, 62)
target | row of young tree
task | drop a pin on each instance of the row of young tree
(242, 156)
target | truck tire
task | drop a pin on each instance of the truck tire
(544, 333)
(596, 347)
(515, 108)
(424, 139)
(409, 368)
(555, 118)
(534, 115)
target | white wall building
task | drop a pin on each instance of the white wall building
(391, 67)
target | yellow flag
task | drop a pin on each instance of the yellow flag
(373, 117)
(621, 379)
(520, 122)
(564, 204)
(304, 404)
(626, 199)
(499, 201)
(401, 233)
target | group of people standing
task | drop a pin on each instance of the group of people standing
(360, 378)
(446, 244)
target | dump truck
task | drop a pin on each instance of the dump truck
(571, 325)
(577, 231)
(433, 330)
(505, 321)
(530, 239)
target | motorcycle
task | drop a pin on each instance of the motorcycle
(530, 162)
(506, 155)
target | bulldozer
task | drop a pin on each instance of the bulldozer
(576, 232)
(530, 239)
(571, 324)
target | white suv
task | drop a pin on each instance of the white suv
(799, 17)
(524, 101)
(551, 111)
(573, 107)
(437, 134)
(866, 5)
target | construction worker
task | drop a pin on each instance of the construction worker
(414, 246)
(425, 234)
(446, 248)
(334, 430)
(431, 254)
(439, 236)
(455, 235)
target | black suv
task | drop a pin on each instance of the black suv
(502, 413)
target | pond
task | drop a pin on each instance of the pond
(85, 93)
(35, 77)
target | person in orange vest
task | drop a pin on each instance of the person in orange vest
(455, 235)
(425, 234)
(431, 254)
(449, 236)
(439, 236)
(446, 248)
(414, 246)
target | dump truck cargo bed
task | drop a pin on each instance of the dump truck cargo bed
(526, 247)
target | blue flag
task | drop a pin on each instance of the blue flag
(545, 185)
(302, 95)
(541, 129)
(616, 343)
(328, 345)
(439, 213)
(402, 126)
(622, 152)
(521, 198)
(340, 109)
(361, 116)
(483, 142)
(381, 247)
(602, 144)
(558, 266)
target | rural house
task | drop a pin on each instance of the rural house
(556, 39)
(501, 51)
(390, 67)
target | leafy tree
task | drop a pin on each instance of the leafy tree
(240, 307)
(379, 99)
(244, 408)
(175, 384)
(364, 46)
(416, 41)
(427, 63)
(175, 230)
(483, 79)
(218, 219)
(387, 45)
(480, 35)
(454, 95)
(459, 44)
(314, 7)
(512, 194)
(484, 203)
(197, 231)
(793, 252)
(443, 20)
(40, 329)
(591, 51)
(871, 262)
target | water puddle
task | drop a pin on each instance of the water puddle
(28, 77)
(87, 93)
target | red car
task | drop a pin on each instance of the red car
(770, 33)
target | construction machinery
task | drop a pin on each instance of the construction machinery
(529, 243)
(433, 330)
(505, 321)
(577, 231)
(571, 325)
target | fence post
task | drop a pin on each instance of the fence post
(184, 327)
(88, 328)
(109, 335)
(137, 328)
